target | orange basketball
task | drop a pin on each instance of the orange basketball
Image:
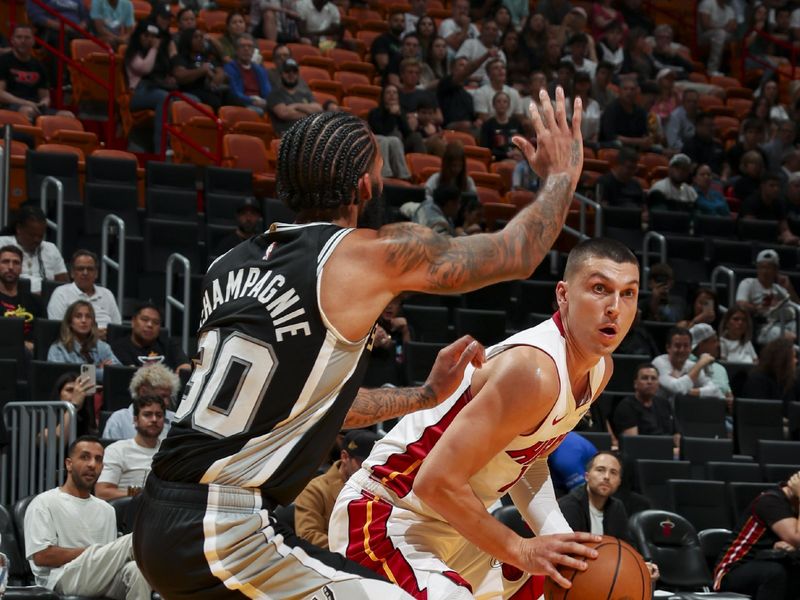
(618, 573)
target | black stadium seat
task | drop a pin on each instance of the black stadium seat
(741, 494)
(777, 452)
(428, 323)
(733, 471)
(700, 416)
(699, 451)
(701, 502)
(755, 420)
(652, 476)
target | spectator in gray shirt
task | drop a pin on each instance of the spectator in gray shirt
(438, 214)
(680, 125)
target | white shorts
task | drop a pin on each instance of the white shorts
(425, 556)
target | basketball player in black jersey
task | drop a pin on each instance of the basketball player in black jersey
(283, 339)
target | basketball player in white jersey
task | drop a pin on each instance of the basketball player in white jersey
(417, 510)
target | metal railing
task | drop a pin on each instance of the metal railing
(34, 460)
(54, 225)
(169, 128)
(173, 302)
(718, 273)
(586, 203)
(63, 23)
(794, 53)
(662, 254)
(5, 175)
(110, 222)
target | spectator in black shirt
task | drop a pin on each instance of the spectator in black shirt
(635, 16)
(703, 148)
(623, 121)
(767, 204)
(23, 78)
(458, 112)
(410, 94)
(646, 412)
(385, 48)
(248, 224)
(497, 132)
(619, 187)
(751, 168)
(13, 301)
(143, 347)
(750, 136)
(198, 69)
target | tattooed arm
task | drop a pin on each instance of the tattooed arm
(420, 260)
(373, 406)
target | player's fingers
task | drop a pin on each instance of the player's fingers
(577, 117)
(525, 147)
(576, 549)
(469, 354)
(547, 108)
(536, 115)
(572, 563)
(561, 110)
(553, 574)
(580, 536)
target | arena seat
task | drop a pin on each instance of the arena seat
(212, 20)
(327, 86)
(699, 450)
(741, 494)
(486, 326)
(45, 331)
(309, 73)
(713, 226)
(769, 451)
(491, 181)
(20, 124)
(61, 162)
(348, 79)
(357, 66)
(755, 420)
(655, 447)
(600, 439)
(371, 92)
(733, 471)
(664, 221)
(198, 127)
(418, 161)
(69, 131)
(247, 152)
(651, 478)
(713, 542)
(300, 50)
(420, 357)
(497, 296)
(358, 105)
(700, 416)
(429, 323)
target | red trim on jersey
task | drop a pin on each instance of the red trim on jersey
(557, 320)
(749, 534)
(399, 470)
(526, 456)
(457, 579)
(369, 543)
(532, 589)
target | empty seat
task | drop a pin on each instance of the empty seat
(162, 174)
(120, 171)
(755, 420)
(698, 451)
(116, 379)
(703, 503)
(777, 452)
(657, 447)
(652, 475)
(486, 326)
(103, 199)
(664, 221)
(729, 252)
(45, 332)
(757, 229)
(233, 182)
(428, 323)
(600, 439)
(711, 226)
(43, 377)
(625, 366)
(163, 238)
(733, 471)
(701, 416)
(172, 204)
(493, 297)
(774, 473)
(63, 167)
(536, 297)
(12, 338)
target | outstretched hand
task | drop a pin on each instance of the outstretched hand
(448, 370)
(558, 149)
(542, 555)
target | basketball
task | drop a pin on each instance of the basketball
(618, 573)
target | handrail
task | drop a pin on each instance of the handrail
(5, 175)
(167, 127)
(173, 302)
(662, 253)
(109, 222)
(109, 85)
(54, 225)
(720, 271)
(793, 51)
(598, 218)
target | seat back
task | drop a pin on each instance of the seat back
(700, 416)
(733, 471)
(62, 166)
(671, 542)
(778, 452)
(652, 477)
(246, 152)
(755, 420)
(741, 494)
(12, 337)
(701, 502)
(163, 174)
(713, 541)
(104, 169)
(700, 450)
(487, 326)
(420, 357)
(116, 380)
(103, 199)
(428, 323)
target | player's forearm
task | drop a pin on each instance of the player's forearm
(109, 491)
(375, 405)
(459, 507)
(464, 264)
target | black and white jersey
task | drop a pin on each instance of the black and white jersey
(274, 380)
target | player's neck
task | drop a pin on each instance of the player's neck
(578, 367)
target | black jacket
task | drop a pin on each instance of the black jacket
(575, 507)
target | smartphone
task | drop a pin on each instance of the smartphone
(89, 372)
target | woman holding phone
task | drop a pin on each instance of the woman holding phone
(79, 342)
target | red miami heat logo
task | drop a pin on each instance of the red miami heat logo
(666, 528)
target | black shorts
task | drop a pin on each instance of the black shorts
(210, 542)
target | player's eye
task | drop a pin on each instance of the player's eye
(599, 288)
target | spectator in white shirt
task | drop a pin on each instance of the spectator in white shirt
(674, 190)
(458, 28)
(678, 374)
(419, 9)
(40, 259)
(318, 20)
(483, 96)
(127, 462)
(484, 45)
(83, 268)
(735, 333)
(577, 54)
(717, 26)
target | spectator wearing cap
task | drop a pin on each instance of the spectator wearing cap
(674, 190)
(280, 54)
(647, 411)
(577, 55)
(287, 103)
(702, 148)
(764, 297)
(705, 341)
(619, 186)
(485, 45)
(248, 80)
(667, 98)
(248, 223)
(314, 505)
(767, 204)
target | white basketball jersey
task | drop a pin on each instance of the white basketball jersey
(395, 460)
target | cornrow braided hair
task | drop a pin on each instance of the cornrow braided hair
(320, 160)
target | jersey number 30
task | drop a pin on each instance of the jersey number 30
(228, 385)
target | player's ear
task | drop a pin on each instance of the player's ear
(561, 292)
(365, 187)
